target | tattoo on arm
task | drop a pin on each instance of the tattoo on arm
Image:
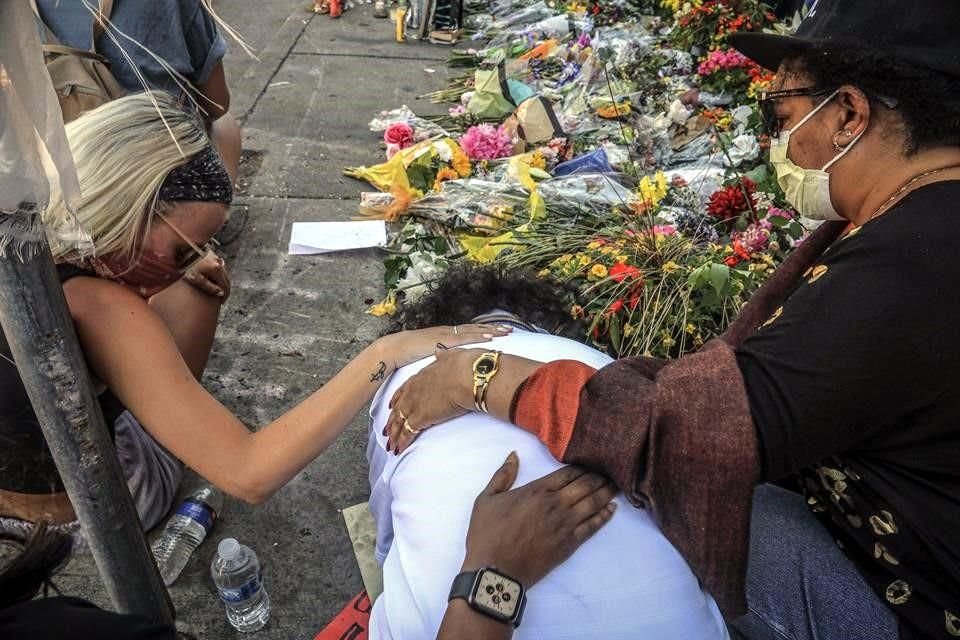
(380, 373)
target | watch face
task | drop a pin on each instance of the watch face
(498, 594)
(485, 366)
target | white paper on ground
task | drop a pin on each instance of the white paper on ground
(324, 237)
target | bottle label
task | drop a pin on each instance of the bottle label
(233, 595)
(198, 511)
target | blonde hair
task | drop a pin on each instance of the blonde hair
(123, 151)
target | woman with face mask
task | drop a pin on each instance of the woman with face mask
(145, 294)
(838, 381)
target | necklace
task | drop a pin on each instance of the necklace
(909, 183)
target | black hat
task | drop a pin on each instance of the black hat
(925, 33)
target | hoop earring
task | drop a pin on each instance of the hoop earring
(836, 145)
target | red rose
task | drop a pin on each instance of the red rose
(620, 272)
(615, 307)
(731, 261)
(400, 134)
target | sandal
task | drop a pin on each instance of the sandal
(336, 8)
(321, 6)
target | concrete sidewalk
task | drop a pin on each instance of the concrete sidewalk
(294, 321)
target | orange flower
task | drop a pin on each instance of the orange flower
(446, 173)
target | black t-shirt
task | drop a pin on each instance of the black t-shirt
(67, 618)
(854, 384)
(26, 465)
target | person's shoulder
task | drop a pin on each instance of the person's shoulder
(545, 347)
(89, 296)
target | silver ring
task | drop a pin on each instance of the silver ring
(456, 330)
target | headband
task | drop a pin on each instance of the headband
(203, 178)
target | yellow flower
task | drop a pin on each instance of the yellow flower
(460, 162)
(386, 307)
(585, 260)
(537, 161)
(651, 192)
(607, 250)
(594, 245)
(690, 328)
(444, 174)
(628, 330)
(670, 266)
(667, 341)
(598, 271)
(622, 259)
(543, 273)
(614, 110)
(576, 311)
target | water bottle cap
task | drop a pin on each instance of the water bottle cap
(228, 548)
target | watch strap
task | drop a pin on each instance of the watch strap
(463, 585)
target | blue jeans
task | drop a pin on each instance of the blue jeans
(800, 585)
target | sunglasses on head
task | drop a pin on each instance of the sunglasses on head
(768, 104)
(195, 253)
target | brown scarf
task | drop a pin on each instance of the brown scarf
(678, 437)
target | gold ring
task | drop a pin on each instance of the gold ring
(400, 413)
(409, 429)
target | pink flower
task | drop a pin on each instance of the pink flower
(664, 229)
(718, 60)
(400, 134)
(458, 110)
(755, 237)
(487, 142)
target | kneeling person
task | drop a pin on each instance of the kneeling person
(627, 581)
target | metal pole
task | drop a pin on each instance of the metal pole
(40, 333)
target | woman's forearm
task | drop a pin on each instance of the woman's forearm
(280, 450)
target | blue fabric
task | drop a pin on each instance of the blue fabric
(593, 162)
(800, 585)
(178, 31)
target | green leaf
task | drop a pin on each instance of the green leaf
(615, 333)
(719, 275)
(778, 221)
(758, 174)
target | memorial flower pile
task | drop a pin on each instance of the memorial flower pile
(614, 146)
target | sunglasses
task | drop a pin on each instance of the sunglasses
(195, 253)
(768, 104)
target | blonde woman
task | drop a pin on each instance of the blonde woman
(145, 304)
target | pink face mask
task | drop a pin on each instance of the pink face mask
(151, 274)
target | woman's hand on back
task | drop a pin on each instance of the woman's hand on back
(402, 348)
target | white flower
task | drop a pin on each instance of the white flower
(443, 150)
(678, 113)
(423, 269)
(743, 147)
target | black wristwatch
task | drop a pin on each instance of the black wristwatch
(491, 593)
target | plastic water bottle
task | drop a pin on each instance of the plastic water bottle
(185, 530)
(239, 581)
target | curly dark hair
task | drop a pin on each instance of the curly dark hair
(927, 110)
(467, 290)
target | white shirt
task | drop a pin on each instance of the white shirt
(626, 582)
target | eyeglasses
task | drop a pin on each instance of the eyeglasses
(196, 253)
(768, 105)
